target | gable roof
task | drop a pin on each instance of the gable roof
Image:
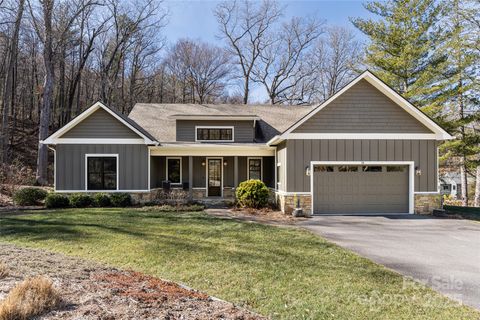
(439, 132)
(56, 137)
(159, 119)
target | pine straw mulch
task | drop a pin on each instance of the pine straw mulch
(93, 291)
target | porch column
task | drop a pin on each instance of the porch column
(235, 171)
(190, 174)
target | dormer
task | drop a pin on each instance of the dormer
(215, 128)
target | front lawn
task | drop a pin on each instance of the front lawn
(281, 272)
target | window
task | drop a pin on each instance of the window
(446, 187)
(102, 172)
(347, 168)
(395, 169)
(255, 168)
(372, 169)
(214, 133)
(322, 168)
(174, 170)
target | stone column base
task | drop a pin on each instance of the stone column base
(426, 203)
(287, 202)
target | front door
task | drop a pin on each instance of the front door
(214, 177)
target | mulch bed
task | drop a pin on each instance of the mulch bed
(267, 216)
(93, 291)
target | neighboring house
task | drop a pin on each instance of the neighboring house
(364, 150)
(450, 184)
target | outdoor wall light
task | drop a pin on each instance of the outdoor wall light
(224, 163)
(203, 163)
(418, 171)
(307, 171)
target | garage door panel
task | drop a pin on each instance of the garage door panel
(366, 190)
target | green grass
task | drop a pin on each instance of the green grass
(281, 272)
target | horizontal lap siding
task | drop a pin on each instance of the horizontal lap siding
(132, 161)
(243, 130)
(300, 153)
(101, 125)
(362, 109)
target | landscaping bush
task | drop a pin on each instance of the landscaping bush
(29, 196)
(102, 200)
(30, 298)
(252, 194)
(55, 200)
(80, 200)
(121, 199)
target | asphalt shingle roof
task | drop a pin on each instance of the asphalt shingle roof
(158, 121)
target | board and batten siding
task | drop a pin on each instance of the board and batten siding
(70, 165)
(243, 130)
(101, 125)
(299, 154)
(362, 109)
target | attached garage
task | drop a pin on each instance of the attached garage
(361, 188)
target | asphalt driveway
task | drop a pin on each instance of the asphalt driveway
(442, 253)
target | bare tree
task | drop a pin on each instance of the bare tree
(337, 56)
(245, 26)
(283, 64)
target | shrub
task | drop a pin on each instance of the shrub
(79, 200)
(252, 194)
(121, 199)
(55, 200)
(29, 196)
(102, 200)
(29, 298)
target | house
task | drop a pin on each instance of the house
(450, 184)
(364, 150)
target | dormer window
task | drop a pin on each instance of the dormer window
(214, 134)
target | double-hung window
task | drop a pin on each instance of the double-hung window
(174, 170)
(255, 168)
(214, 134)
(102, 172)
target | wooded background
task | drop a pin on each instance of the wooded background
(58, 57)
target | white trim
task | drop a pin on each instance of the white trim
(54, 168)
(149, 172)
(358, 136)
(166, 169)
(95, 141)
(206, 174)
(427, 192)
(214, 127)
(261, 166)
(411, 177)
(92, 155)
(204, 149)
(441, 134)
(52, 139)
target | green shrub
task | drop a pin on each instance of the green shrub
(102, 200)
(252, 194)
(29, 196)
(56, 200)
(121, 199)
(79, 200)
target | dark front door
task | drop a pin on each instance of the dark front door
(214, 173)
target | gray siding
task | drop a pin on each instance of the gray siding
(101, 125)
(243, 130)
(299, 153)
(158, 172)
(132, 162)
(362, 109)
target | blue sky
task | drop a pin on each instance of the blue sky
(194, 19)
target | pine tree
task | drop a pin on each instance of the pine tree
(401, 42)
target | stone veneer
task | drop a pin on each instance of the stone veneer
(425, 203)
(286, 202)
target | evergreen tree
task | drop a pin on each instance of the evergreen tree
(401, 43)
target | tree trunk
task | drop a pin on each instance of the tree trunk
(8, 94)
(477, 187)
(46, 106)
(464, 182)
(246, 91)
